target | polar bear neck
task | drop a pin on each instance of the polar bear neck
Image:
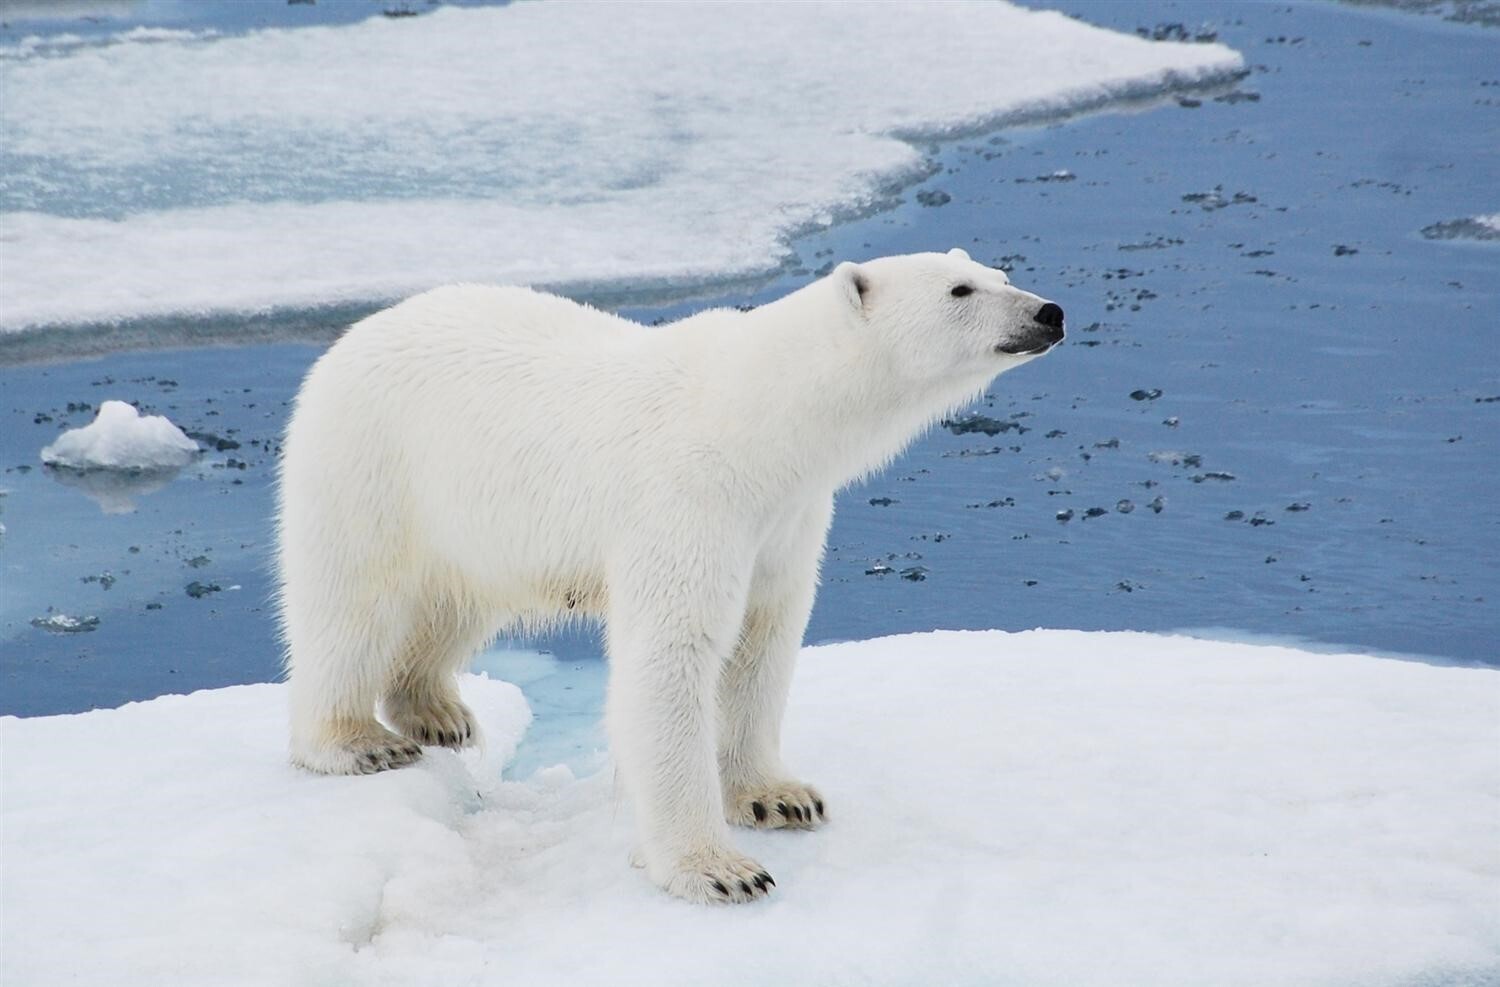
(804, 395)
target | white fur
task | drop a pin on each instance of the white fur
(476, 458)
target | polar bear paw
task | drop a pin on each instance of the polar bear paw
(362, 751)
(721, 878)
(777, 805)
(433, 720)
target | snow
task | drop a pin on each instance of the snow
(1041, 808)
(165, 171)
(121, 438)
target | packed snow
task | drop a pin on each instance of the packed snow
(1040, 808)
(121, 438)
(169, 171)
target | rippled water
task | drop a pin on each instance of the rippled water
(1262, 344)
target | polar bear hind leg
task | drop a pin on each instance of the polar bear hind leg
(340, 667)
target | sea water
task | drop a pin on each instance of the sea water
(1275, 413)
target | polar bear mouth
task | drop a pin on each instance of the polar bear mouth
(1028, 348)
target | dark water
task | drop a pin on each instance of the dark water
(1322, 447)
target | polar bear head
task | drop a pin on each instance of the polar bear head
(945, 316)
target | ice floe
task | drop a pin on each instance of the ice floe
(541, 143)
(1040, 808)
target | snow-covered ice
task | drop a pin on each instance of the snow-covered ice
(121, 438)
(1040, 808)
(170, 171)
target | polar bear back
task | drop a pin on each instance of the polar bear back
(497, 430)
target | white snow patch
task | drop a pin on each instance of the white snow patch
(543, 143)
(1044, 808)
(121, 438)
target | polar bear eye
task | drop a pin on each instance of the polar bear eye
(960, 290)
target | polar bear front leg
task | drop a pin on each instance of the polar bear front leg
(758, 790)
(668, 630)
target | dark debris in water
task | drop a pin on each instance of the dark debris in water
(1210, 201)
(61, 623)
(967, 424)
(1461, 229)
(1189, 459)
(1157, 243)
(1177, 31)
(1062, 175)
(218, 443)
(199, 590)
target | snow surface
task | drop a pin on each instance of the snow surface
(121, 438)
(167, 171)
(1042, 808)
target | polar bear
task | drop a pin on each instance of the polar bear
(477, 458)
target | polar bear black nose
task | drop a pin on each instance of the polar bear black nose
(1050, 315)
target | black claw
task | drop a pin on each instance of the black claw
(760, 881)
(767, 878)
(759, 810)
(719, 887)
(781, 808)
(745, 887)
(797, 812)
(819, 804)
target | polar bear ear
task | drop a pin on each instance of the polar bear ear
(853, 282)
(959, 252)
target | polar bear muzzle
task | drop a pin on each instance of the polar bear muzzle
(1047, 333)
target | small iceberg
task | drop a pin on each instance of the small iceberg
(119, 456)
(121, 438)
(1469, 228)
